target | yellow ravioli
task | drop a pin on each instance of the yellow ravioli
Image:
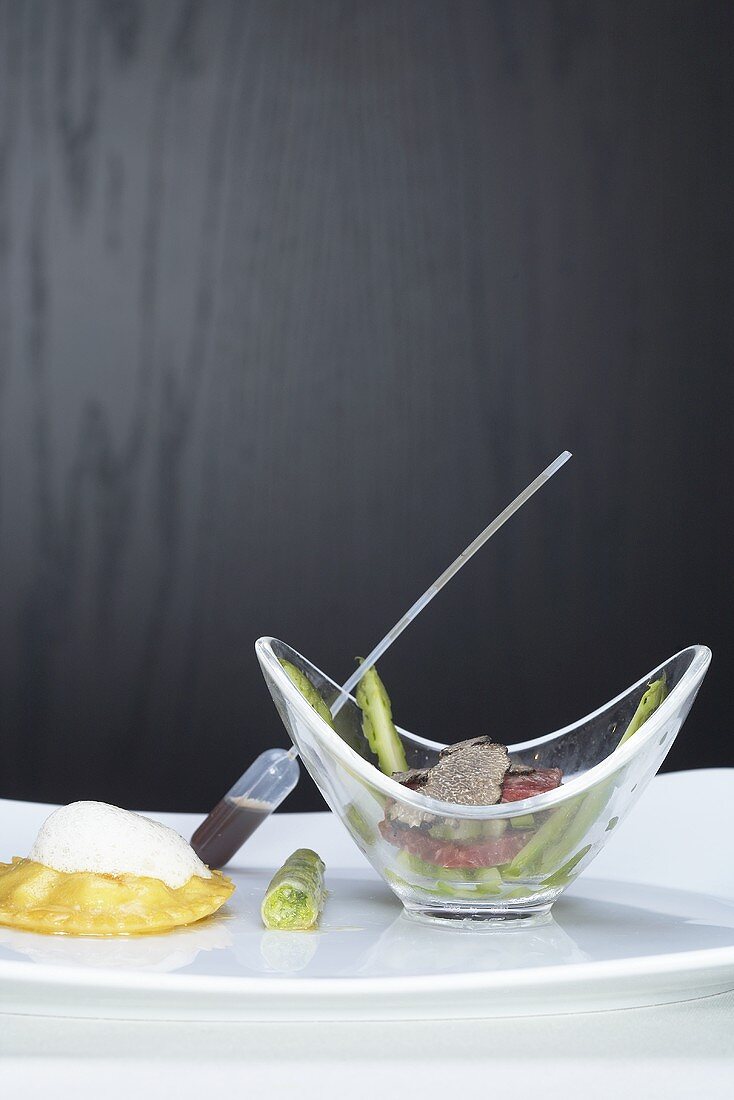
(83, 903)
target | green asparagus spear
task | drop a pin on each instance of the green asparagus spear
(595, 801)
(308, 691)
(377, 724)
(360, 824)
(565, 873)
(470, 893)
(568, 825)
(489, 876)
(548, 833)
(457, 829)
(651, 700)
(295, 897)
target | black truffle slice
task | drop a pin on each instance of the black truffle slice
(485, 739)
(469, 773)
(514, 769)
(414, 778)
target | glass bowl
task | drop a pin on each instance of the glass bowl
(474, 865)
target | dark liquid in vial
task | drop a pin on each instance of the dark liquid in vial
(228, 826)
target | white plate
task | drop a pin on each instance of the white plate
(652, 923)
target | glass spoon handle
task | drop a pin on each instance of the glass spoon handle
(445, 577)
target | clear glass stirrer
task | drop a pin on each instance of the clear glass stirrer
(273, 775)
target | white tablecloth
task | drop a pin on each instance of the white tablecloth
(680, 1050)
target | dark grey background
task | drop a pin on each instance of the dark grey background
(294, 296)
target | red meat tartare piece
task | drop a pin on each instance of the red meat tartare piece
(525, 785)
(452, 853)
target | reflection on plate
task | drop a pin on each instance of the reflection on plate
(422, 948)
(165, 953)
(288, 952)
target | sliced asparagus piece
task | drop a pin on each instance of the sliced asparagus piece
(565, 873)
(469, 893)
(595, 801)
(649, 703)
(458, 829)
(549, 832)
(568, 825)
(360, 824)
(377, 724)
(295, 897)
(308, 691)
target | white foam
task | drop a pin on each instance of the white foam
(92, 836)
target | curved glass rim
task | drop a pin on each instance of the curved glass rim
(579, 784)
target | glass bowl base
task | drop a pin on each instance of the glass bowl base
(463, 919)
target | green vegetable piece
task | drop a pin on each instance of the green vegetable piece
(526, 821)
(549, 833)
(520, 892)
(651, 700)
(564, 874)
(396, 880)
(612, 822)
(466, 829)
(468, 893)
(593, 804)
(295, 897)
(450, 890)
(360, 824)
(439, 889)
(308, 691)
(488, 876)
(377, 724)
(589, 811)
(569, 824)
